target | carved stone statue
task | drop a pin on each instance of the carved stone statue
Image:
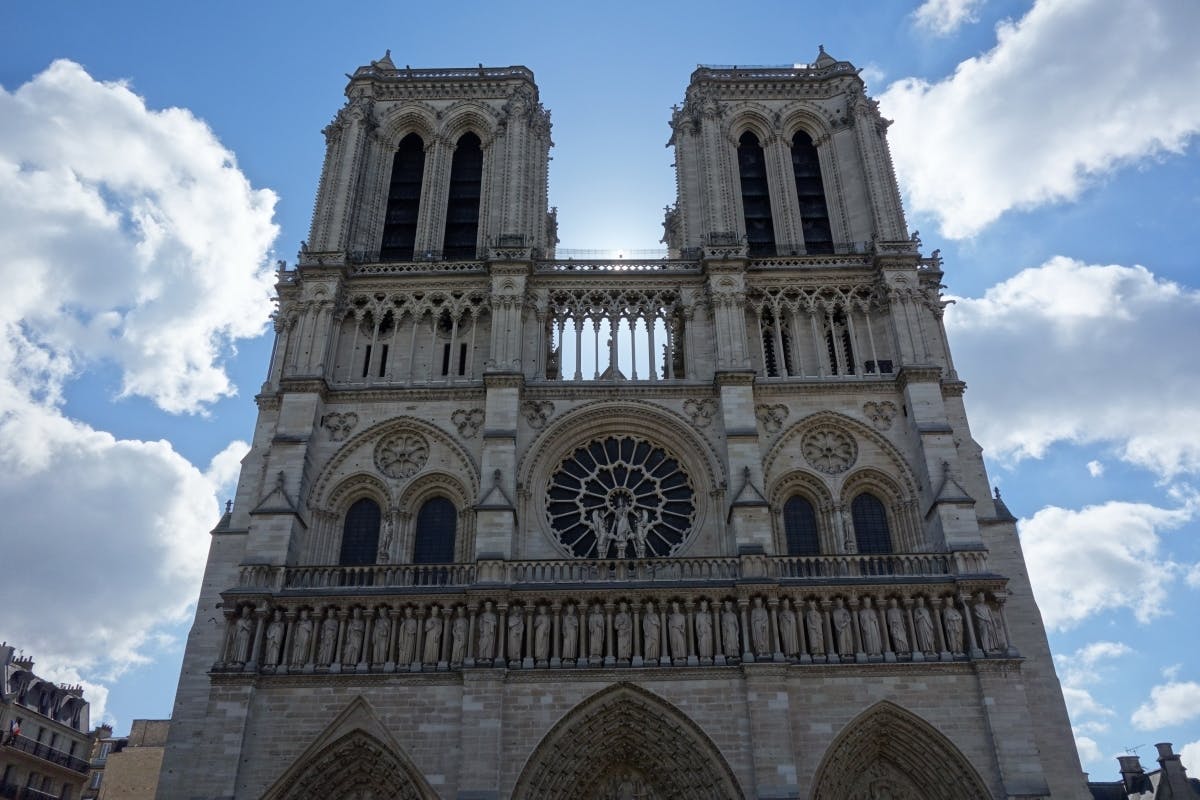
(896, 627)
(923, 621)
(243, 633)
(275, 631)
(603, 535)
(985, 624)
(408, 638)
(433, 637)
(381, 637)
(677, 631)
(355, 629)
(704, 631)
(789, 639)
(516, 632)
(641, 530)
(868, 623)
(622, 533)
(487, 632)
(570, 632)
(458, 636)
(301, 639)
(954, 628)
(729, 630)
(541, 634)
(651, 633)
(760, 628)
(842, 632)
(815, 630)
(596, 631)
(623, 625)
(329, 634)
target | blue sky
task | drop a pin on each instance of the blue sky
(1047, 149)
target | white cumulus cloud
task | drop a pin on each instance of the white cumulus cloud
(132, 240)
(943, 17)
(1099, 558)
(1092, 353)
(1062, 98)
(1189, 755)
(131, 236)
(1169, 704)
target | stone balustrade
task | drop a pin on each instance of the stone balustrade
(559, 624)
(896, 566)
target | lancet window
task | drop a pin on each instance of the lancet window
(412, 338)
(615, 335)
(871, 532)
(437, 522)
(462, 209)
(360, 533)
(800, 527)
(810, 192)
(404, 200)
(756, 196)
(811, 332)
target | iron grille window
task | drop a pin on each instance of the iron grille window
(360, 534)
(436, 523)
(404, 201)
(756, 196)
(870, 524)
(462, 210)
(800, 527)
(810, 191)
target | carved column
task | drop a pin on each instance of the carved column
(689, 616)
(831, 651)
(260, 615)
(860, 652)
(609, 650)
(556, 635)
(773, 617)
(971, 643)
(1009, 649)
(747, 648)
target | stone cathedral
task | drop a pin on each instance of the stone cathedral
(522, 525)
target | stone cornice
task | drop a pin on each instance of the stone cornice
(918, 374)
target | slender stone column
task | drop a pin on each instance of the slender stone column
(501, 633)
(393, 637)
(747, 649)
(831, 651)
(609, 650)
(469, 659)
(773, 616)
(689, 616)
(860, 653)
(556, 635)
(972, 645)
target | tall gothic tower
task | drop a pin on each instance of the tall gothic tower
(519, 526)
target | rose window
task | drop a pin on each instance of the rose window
(401, 454)
(829, 450)
(620, 497)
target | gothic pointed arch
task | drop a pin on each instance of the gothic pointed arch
(354, 757)
(626, 735)
(889, 749)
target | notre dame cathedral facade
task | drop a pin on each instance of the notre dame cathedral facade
(713, 525)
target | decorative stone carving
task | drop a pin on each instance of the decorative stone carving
(829, 450)
(677, 632)
(843, 635)
(619, 491)
(814, 629)
(954, 628)
(623, 626)
(302, 635)
(651, 633)
(868, 623)
(468, 421)
(381, 635)
(771, 417)
(880, 413)
(700, 412)
(433, 637)
(329, 632)
(243, 632)
(355, 629)
(985, 625)
(487, 632)
(923, 621)
(729, 630)
(759, 628)
(596, 631)
(787, 629)
(408, 638)
(458, 636)
(704, 632)
(541, 635)
(896, 628)
(537, 413)
(570, 633)
(401, 455)
(275, 631)
(516, 632)
(339, 425)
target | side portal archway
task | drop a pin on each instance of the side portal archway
(888, 752)
(626, 742)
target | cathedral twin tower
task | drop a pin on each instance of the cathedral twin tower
(706, 526)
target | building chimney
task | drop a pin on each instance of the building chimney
(1173, 773)
(1133, 775)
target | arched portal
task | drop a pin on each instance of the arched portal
(626, 742)
(887, 752)
(356, 758)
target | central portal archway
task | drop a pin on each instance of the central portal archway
(625, 742)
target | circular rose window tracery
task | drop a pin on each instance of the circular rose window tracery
(620, 497)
